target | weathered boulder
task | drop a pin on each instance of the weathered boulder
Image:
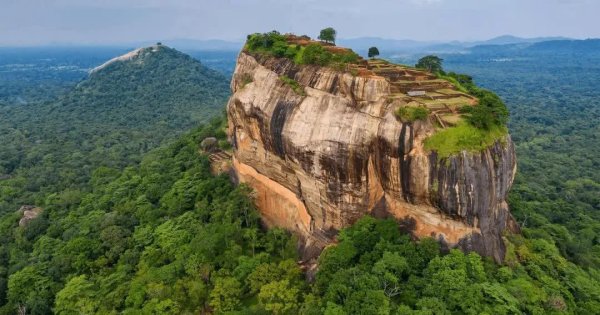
(321, 158)
(28, 213)
(209, 144)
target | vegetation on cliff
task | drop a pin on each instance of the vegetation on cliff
(293, 84)
(373, 52)
(464, 136)
(411, 114)
(328, 35)
(485, 123)
(430, 63)
(553, 101)
(302, 50)
(491, 110)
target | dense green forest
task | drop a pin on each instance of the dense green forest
(110, 119)
(168, 237)
(161, 237)
(135, 223)
(555, 124)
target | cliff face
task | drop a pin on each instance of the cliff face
(329, 150)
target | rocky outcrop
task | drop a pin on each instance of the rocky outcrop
(132, 55)
(209, 144)
(321, 158)
(28, 213)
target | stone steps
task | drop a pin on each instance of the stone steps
(439, 120)
(427, 86)
(219, 156)
(442, 97)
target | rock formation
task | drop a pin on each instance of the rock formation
(28, 213)
(323, 157)
(132, 55)
(209, 144)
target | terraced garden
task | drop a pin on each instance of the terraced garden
(462, 124)
(416, 88)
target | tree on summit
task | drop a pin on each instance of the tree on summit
(430, 63)
(328, 35)
(373, 52)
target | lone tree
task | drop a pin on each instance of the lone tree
(430, 63)
(373, 52)
(328, 35)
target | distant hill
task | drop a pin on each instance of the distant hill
(547, 47)
(588, 45)
(145, 90)
(394, 46)
(509, 39)
(363, 43)
(125, 108)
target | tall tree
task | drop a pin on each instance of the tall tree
(328, 35)
(279, 297)
(430, 63)
(226, 294)
(373, 52)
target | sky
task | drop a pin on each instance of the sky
(41, 22)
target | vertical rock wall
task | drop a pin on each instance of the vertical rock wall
(323, 157)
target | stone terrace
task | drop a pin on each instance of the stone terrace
(414, 87)
(409, 86)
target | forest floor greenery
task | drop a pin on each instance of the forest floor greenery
(168, 237)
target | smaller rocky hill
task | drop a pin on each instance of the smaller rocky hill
(126, 107)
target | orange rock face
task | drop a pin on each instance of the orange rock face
(321, 159)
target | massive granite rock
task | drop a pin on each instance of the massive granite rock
(322, 156)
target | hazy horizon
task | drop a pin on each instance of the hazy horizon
(113, 22)
(241, 40)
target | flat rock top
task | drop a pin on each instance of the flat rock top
(419, 88)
